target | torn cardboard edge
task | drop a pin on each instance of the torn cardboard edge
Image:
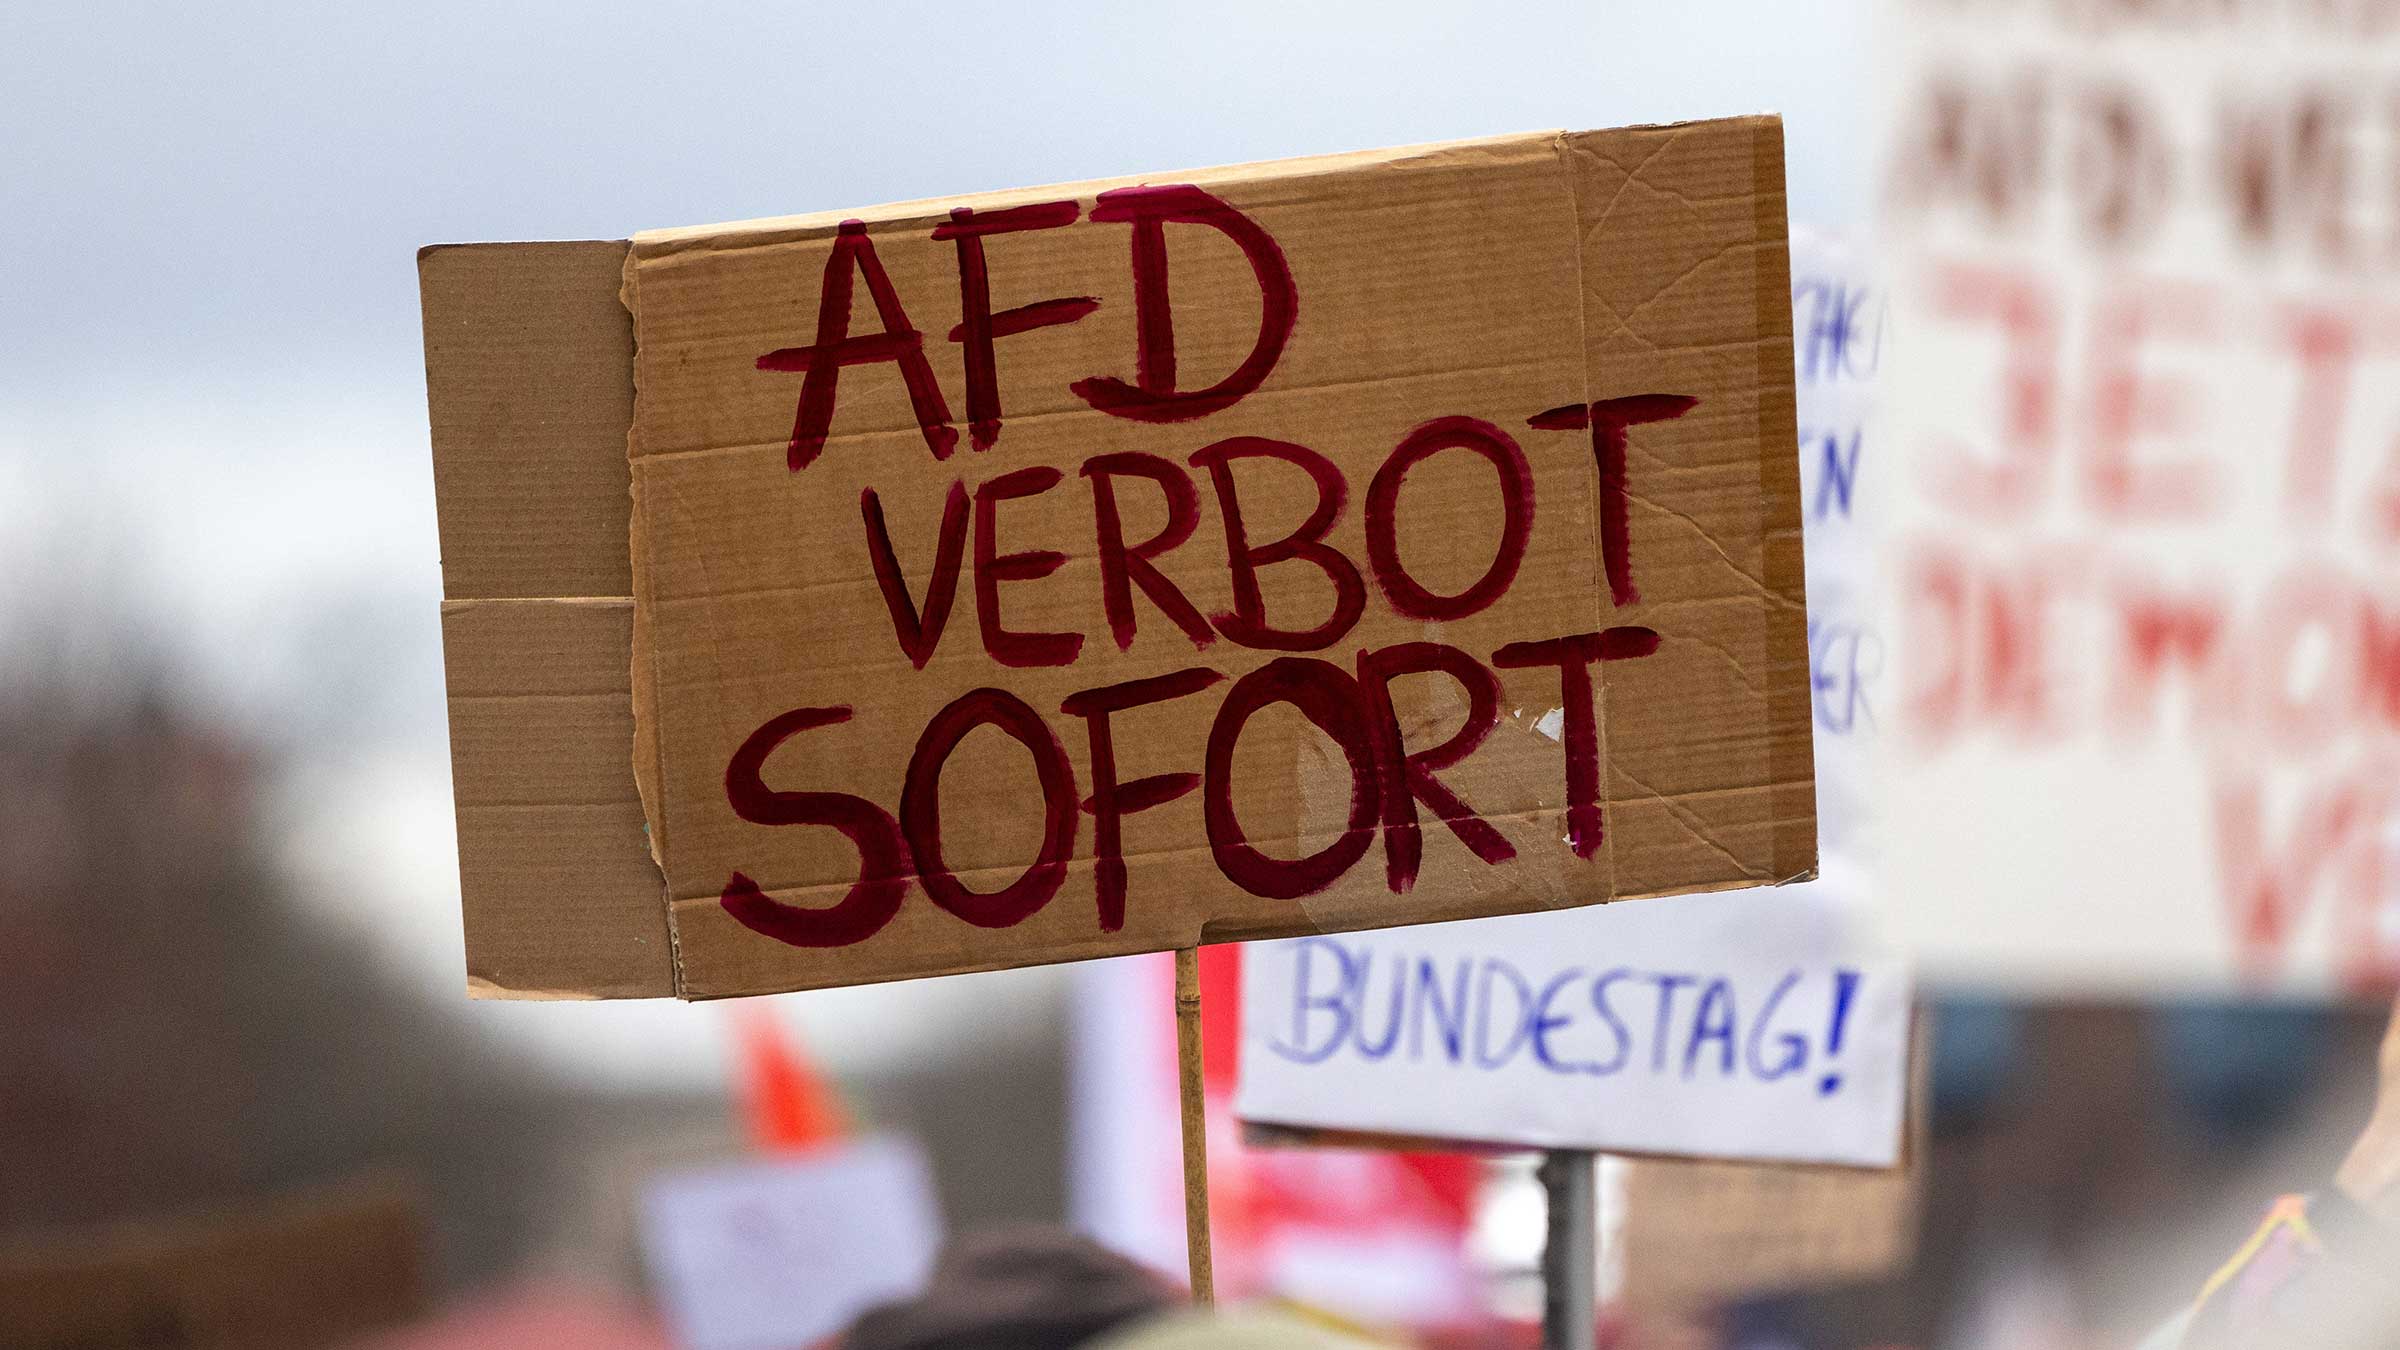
(530, 361)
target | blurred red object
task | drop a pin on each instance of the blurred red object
(792, 1107)
(1374, 1238)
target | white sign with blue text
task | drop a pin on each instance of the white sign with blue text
(1737, 1025)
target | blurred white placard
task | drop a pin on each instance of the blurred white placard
(1746, 1024)
(2142, 582)
(775, 1253)
(1839, 332)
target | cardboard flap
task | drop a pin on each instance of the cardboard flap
(529, 379)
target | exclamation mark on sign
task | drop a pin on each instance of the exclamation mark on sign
(1845, 988)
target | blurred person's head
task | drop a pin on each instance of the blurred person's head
(1202, 1329)
(1020, 1288)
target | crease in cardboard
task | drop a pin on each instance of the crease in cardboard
(1193, 852)
(1262, 397)
(1572, 183)
(645, 751)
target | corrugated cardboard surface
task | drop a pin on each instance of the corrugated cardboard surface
(529, 375)
(305, 1272)
(1493, 280)
(1699, 1233)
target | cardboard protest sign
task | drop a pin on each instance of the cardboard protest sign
(1733, 1026)
(1700, 1232)
(1693, 1232)
(784, 1251)
(2144, 637)
(1106, 568)
(309, 1271)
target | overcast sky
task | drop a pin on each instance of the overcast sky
(211, 381)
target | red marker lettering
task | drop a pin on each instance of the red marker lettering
(883, 866)
(919, 631)
(921, 809)
(1383, 527)
(1153, 397)
(1405, 777)
(1247, 624)
(1608, 420)
(1326, 695)
(979, 325)
(1121, 567)
(1574, 657)
(899, 342)
(1112, 801)
(993, 567)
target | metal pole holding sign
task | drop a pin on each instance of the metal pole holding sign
(1570, 1254)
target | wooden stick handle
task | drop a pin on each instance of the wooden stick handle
(1195, 1125)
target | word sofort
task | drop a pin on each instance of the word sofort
(1348, 699)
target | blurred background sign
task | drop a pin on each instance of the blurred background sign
(2146, 262)
(773, 1252)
